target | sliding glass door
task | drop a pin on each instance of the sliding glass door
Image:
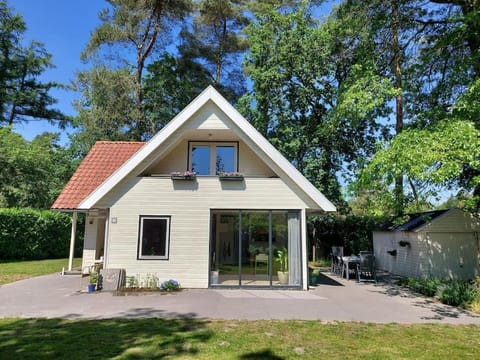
(255, 248)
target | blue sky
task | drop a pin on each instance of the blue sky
(64, 27)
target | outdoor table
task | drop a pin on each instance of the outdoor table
(347, 261)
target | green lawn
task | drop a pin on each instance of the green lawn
(18, 270)
(200, 339)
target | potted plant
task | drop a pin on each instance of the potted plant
(230, 176)
(184, 175)
(282, 259)
(93, 280)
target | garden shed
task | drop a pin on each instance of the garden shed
(434, 244)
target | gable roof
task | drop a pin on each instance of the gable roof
(209, 94)
(101, 161)
(411, 222)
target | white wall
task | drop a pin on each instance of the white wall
(188, 204)
(446, 248)
(89, 241)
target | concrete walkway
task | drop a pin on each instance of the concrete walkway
(334, 300)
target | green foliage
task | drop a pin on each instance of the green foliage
(354, 233)
(193, 338)
(216, 40)
(33, 173)
(450, 292)
(431, 159)
(170, 285)
(132, 30)
(457, 293)
(11, 271)
(171, 84)
(27, 234)
(106, 109)
(427, 287)
(22, 95)
(317, 109)
(281, 257)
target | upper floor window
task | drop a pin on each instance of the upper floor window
(213, 158)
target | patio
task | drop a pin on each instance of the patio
(334, 299)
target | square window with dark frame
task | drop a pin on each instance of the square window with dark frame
(154, 237)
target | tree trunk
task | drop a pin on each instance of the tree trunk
(397, 70)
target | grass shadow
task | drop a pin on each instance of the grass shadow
(266, 354)
(101, 339)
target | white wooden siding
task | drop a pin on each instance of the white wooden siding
(250, 164)
(454, 220)
(431, 254)
(210, 117)
(188, 204)
(175, 160)
(89, 241)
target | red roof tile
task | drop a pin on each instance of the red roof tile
(103, 159)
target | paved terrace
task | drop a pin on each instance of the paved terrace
(334, 299)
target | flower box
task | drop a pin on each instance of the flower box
(230, 176)
(187, 175)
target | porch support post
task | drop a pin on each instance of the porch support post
(72, 240)
(303, 229)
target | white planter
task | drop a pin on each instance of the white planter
(282, 277)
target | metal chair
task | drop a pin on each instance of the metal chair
(336, 256)
(366, 267)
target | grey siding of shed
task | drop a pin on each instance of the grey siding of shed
(445, 248)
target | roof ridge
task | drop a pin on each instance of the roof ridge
(119, 142)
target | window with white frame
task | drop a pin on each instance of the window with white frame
(154, 237)
(206, 158)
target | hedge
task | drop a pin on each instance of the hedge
(30, 234)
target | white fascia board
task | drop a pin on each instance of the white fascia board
(209, 94)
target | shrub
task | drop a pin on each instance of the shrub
(29, 234)
(427, 287)
(475, 304)
(170, 285)
(450, 292)
(457, 293)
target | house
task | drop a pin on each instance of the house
(208, 201)
(433, 244)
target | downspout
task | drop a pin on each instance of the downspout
(72, 240)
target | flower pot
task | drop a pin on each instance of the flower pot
(231, 178)
(184, 177)
(282, 277)
(91, 288)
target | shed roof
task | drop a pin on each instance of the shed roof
(103, 159)
(411, 222)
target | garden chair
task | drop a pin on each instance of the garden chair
(261, 259)
(336, 256)
(366, 267)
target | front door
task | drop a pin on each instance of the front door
(255, 248)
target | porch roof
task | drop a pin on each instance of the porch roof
(103, 159)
